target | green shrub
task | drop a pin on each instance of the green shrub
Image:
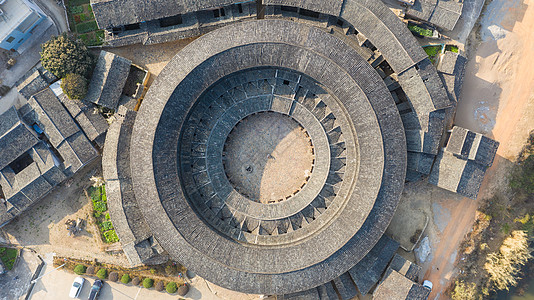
(160, 286)
(94, 193)
(421, 31)
(111, 236)
(136, 281)
(114, 276)
(148, 282)
(452, 48)
(102, 273)
(153, 271)
(64, 54)
(80, 269)
(86, 27)
(97, 214)
(125, 278)
(171, 287)
(74, 86)
(76, 9)
(100, 206)
(106, 225)
(107, 217)
(83, 17)
(432, 51)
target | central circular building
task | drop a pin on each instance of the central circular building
(270, 157)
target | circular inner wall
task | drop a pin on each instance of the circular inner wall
(268, 157)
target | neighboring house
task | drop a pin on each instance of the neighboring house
(461, 166)
(109, 77)
(442, 13)
(42, 143)
(18, 18)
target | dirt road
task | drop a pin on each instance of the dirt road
(497, 100)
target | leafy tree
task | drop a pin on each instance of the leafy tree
(64, 54)
(503, 266)
(160, 286)
(90, 270)
(102, 273)
(171, 287)
(465, 291)
(125, 278)
(80, 269)
(74, 86)
(148, 282)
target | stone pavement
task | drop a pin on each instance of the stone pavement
(15, 283)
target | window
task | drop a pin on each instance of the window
(288, 8)
(309, 13)
(10, 39)
(28, 22)
(21, 163)
(132, 26)
(170, 21)
(217, 13)
(240, 8)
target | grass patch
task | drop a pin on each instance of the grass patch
(451, 48)
(102, 217)
(86, 27)
(421, 31)
(432, 52)
(76, 9)
(8, 256)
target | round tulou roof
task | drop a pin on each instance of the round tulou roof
(268, 157)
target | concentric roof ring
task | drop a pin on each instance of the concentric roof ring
(251, 268)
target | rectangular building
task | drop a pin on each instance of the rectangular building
(18, 18)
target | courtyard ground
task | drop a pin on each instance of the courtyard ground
(497, 100)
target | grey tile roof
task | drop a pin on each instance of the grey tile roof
(127, 218)
(63, 133)
(442, 13)
(107, 82)
(16, 138)
(91, 122)
(117, 12)
(158, 134)
(369, 270)
(393, 286)
(462, 166)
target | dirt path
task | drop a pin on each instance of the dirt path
(497, 100)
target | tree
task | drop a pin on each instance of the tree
(80, 269)
(125, 278)
(503, 266)
(74, 86)
(160, 286)
(148, 282)
(102, 273)
(65, 54)
(465, 291)
(171, 287)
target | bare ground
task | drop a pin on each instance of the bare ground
(497, 100)
(42, 227)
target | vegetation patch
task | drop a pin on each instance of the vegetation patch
(80, 269)
(496, 253)
(153, 276)
(82, 22)
(432, 52)
(451, 48)
(421, 31)
(8, 257)
(101, 214)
